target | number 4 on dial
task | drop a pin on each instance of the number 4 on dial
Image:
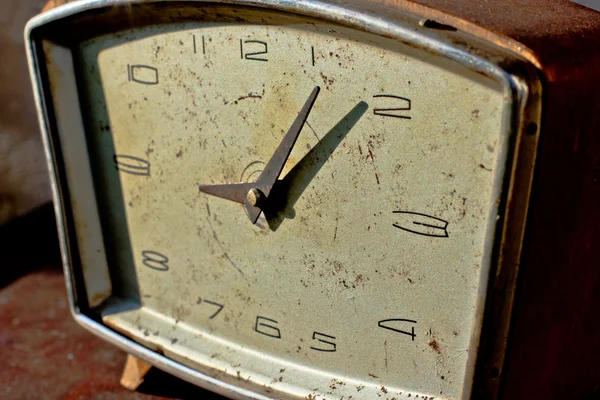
(392, 325)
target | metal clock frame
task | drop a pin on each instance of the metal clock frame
(402, 22)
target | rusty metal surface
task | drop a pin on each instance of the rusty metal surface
(45, 354)
(539, 30)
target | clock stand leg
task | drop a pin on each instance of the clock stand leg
(134, 372)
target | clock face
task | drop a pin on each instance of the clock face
(367, 274)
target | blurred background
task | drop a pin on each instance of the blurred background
(23, 176)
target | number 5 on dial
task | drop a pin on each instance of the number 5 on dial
(327, 343)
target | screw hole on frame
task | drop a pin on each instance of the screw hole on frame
(532, 128)
(431, 24)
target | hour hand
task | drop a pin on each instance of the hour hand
(231, 191)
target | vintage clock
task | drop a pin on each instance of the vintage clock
(331, 200)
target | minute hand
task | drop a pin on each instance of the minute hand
(269, 176)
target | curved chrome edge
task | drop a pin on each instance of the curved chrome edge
(167, 365)
(56, 196)
(376, 18)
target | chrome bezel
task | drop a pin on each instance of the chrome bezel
(401, 24)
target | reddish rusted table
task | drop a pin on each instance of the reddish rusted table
(44, 354)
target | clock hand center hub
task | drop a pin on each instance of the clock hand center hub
(255, 197)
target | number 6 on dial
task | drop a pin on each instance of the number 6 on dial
(264, 328)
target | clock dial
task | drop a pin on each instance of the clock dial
(365, 274)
